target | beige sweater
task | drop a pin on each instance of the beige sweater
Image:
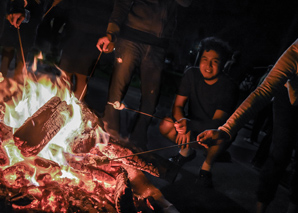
(284, 73)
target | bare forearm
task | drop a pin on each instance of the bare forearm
(178, 113)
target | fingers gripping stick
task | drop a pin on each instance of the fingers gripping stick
(117, 105)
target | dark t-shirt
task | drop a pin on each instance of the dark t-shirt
(204, 99)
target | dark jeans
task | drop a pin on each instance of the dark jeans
(284, 141)
(129, 57)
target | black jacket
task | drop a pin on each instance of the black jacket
(148, 21)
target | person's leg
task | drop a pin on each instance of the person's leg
(150, 74)
(127, 58)
(282, 146)
(167, 129)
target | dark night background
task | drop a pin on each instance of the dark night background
(260, 29)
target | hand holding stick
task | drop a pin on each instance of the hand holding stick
(121, 106)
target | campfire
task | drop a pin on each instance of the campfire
(55, 157)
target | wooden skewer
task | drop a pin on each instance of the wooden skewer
(140, 112)
(119, 106)
(84, 90)
(22, 53)
(53, 5)
(154, 150)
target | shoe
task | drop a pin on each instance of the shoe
(205, 179)
(181, 160)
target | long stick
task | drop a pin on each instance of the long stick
(22, 53)
(53, 5)
(82, 94)
(154, 150)
(143, 113)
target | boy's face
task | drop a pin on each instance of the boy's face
(209, 66)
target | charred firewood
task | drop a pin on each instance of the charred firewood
(44, 166)
(115, 150)
(89, 165)
(40, 128)
(87, 139)
(4, 161)
(83, 142)
(5, 132)
(89, 116)
(15, 176)
(123, 194)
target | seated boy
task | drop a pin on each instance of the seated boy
(211, 97)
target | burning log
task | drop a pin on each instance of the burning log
(41, 127)
(123, 194)
(16, 176)
(84, 142)
(115, 150)
(89, 117)
(4, 161)
(5, 134)
(99, 167)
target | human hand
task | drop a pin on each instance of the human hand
(212, 137)
(117, 105)
(105, 45)
(16, 19)
(182, 139)
(181, 126)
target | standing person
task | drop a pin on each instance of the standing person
(211, 98)
(141, 30)
(282, 84)
(85, 21)
(29, 13)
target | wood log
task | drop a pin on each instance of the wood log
(41, 127)
(83, 142)
(4, 161)
(116, 149)
(5, 134)
(123, 194)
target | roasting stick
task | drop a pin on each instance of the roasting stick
(154, 150)
(82, 94)
(22, 53)
(53, 5)
(121, 106)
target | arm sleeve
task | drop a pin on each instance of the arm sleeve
(284, 69)
(17, 6)
(118, 16)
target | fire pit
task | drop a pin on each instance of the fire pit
(55, 157)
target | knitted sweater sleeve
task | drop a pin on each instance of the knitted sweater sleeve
(284, 71)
